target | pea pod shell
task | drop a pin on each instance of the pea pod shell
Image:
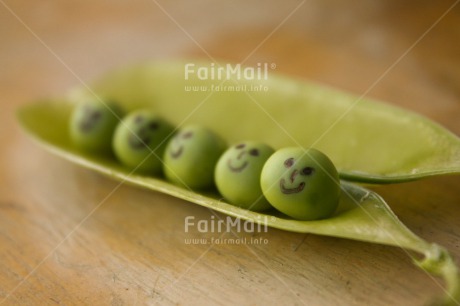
(362, 214)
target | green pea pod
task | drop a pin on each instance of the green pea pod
(362, 214)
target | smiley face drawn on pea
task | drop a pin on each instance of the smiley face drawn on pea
(93, 123)
(178, 143)
(237, 175)
(239, 162)
(303, 184)
(142, 132)
(191, 156)
(295, 175)
(139, 141)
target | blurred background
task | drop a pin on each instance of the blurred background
(131, 250)
(350, 45)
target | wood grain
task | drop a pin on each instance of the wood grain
(71, 237)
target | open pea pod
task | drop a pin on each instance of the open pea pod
(368, 141)
(362, 214)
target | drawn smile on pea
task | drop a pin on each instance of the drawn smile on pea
(241, 167)
(176, 153)
(307, 171)
(140, 139)
(237, 169)
(286, 190)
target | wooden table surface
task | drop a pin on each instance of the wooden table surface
(69, 236)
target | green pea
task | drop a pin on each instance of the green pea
(93, 123)
(140, 140)
(191, 156)
(237, 174)
(302, 184)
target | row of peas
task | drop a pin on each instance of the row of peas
(302, 184)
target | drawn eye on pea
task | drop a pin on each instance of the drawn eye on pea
(177, 148)
(308, 171)
(305, 171)
(143, 132)
(238, 161)
(254, 152)
(289, 162)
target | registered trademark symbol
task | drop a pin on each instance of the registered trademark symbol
(273, 66)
